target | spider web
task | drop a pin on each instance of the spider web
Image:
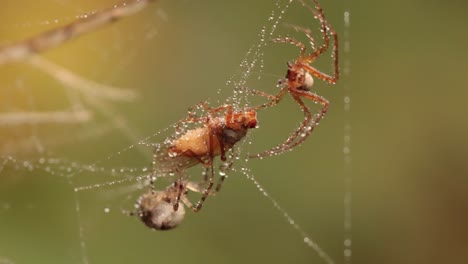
(61, 191)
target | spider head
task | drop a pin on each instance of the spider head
(237, 128)
(247, 119)
(250, 118)
(298, 78)
(156, 211)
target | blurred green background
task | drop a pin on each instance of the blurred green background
(408, 116)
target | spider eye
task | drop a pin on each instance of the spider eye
(291, 75)
(288, 73)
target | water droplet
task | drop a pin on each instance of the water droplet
(346, 150)
(347, 242)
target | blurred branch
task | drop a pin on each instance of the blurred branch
(91, 90)
(93, 93)
(52, 38)
(20, 118)
(85, 86)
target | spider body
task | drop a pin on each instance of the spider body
(216, 137)
(160, 210)
(214, 134)
(155, 209)
(298, 79)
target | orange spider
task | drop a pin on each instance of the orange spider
(299, 81)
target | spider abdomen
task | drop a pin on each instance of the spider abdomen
(196, 142)
(156, 211)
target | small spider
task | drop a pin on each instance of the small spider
(160, 210)
(299, 81)
(213, 134)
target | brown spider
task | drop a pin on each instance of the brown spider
(214, 134)
(299, 81)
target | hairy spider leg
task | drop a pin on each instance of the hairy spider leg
(208, 188)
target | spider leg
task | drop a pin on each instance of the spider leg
(224, 170)
(307, 118)
(324, 27)
(179, 186)
(187, 202)
(284, 146)
(197, 187)
(207, 190)
(194, 187)
(192, 117)
(228, 118)
(211, 111)
(307, 32)
(208, 108)
(257, 92)
(293, 42)
(304, 130)
(205, 174)
(309, 128)
(326, 30)
(307, 59)
(323, 76)
(318, 52)
(275, 99)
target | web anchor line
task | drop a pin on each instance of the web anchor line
(347, 165)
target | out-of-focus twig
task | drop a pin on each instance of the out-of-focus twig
(52, 38)
(85, 86)
(20, 118)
